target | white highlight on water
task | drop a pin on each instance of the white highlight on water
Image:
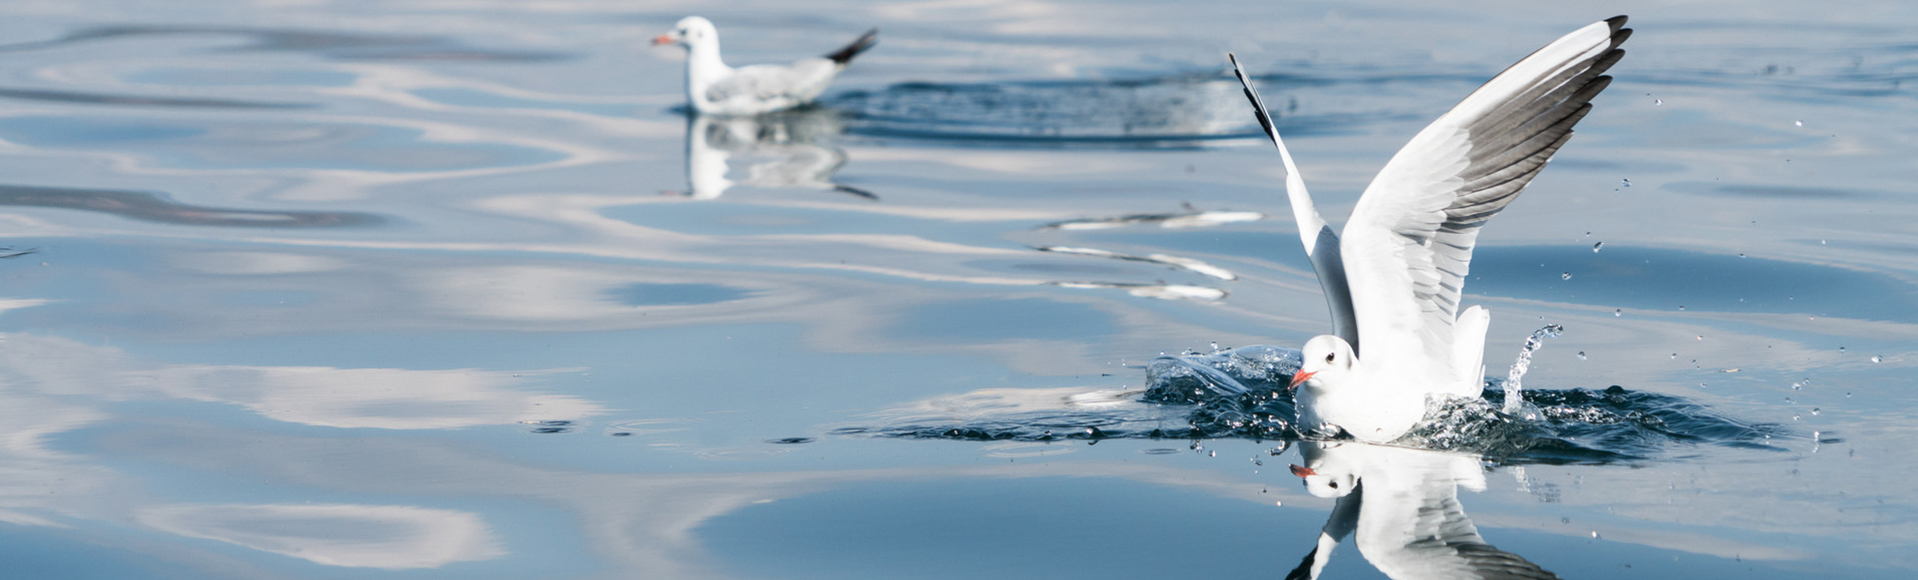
(1524, 363)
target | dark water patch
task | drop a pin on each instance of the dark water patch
(676, 294)
(1240, 394)
(995, 320)
(8, 253)
(156, 208)
(1162, 112)
(335, 45)
(790, 441)
(81, 98)
(1771, 191)
(1662, 279)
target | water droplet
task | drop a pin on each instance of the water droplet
(1581, 355)
(1564, 275)
(1655, 103)
(1798, 123)
(1674, 356)
(1797, 386)
(1594, 534)
(1596, 246)
(1215, 346)
(1628, 183)
(1794, 416)
(1841, 349)
(1814, 412)
(1619, 312)
(1876, 358)
(1790, 401)
(1681, 307)
(1741, 256)
(1279, 503)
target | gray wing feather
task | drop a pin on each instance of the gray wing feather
(1460, 171)
(799, 82)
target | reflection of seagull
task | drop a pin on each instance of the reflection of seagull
(1410, 239)
(796, 142)
(1401, 507)
(714, 88)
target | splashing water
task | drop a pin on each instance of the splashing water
(1524, 363)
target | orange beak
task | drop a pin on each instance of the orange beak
(1303, 471)
(1299, 379)
(663, 39)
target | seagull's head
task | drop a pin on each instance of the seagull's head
(690, 31)
(1328, 359)
(1327, 485)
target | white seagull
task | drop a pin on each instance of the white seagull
(716, 89)
(1394, 290)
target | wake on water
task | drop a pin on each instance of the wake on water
(1240, 393)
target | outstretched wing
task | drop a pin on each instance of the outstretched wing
(1321, 244)
(1409, 242)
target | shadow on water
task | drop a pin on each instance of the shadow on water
(1240, 393)
(335, 45)
(155, 208)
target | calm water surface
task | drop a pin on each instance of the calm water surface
(330, 289)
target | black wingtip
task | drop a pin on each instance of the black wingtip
(1258, 105)
(1617, 22)
(1304, 571)
(855, 191)
(859, 45)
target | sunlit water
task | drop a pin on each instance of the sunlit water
(456, 290)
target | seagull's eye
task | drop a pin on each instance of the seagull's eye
(1335, 485)
(1329, 357)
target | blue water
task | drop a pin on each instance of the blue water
(380, 289)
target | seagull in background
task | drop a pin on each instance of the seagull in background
(716, 89)
(1394, 281)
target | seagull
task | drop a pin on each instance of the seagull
(716, 89)
(1393, 282)
(1401, 507)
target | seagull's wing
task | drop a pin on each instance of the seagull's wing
(1412, 526)
(1344, 518)
(1409, 242)
(781, 85)
(1321, 244)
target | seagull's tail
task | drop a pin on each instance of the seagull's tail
(859, 45)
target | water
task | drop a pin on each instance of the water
(383, 289)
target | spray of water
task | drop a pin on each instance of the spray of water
(1524, 363)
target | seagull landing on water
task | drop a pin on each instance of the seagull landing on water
(716, 89)
(1398, 337)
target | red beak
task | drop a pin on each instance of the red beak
(663, 39)
(1303, 471)
(1299, 379)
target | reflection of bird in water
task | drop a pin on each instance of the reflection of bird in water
(1408, 244)
(795, 146)
(716, 89)
(1401, 507)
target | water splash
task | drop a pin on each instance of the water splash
(1240, 394)
(1513, 402)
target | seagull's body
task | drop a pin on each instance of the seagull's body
(1394, 281)
(716, 89)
